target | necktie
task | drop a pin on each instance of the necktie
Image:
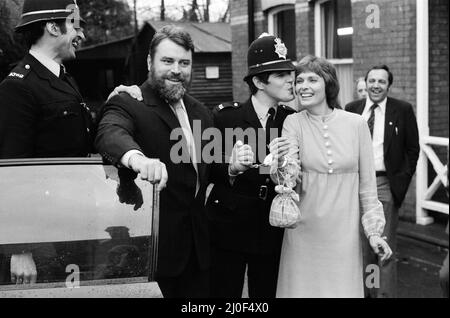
(371, 120)
(186, 127)
(269, 124)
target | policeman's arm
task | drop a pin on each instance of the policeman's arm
(134, 91)
(19, 115)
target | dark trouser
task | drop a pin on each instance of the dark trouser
(193, 282)
(228, 274)
(443, 277)
(388, 270)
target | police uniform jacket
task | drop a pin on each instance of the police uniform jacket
(41, 115)
(239, 212)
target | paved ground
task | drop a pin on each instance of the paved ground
(418, 269)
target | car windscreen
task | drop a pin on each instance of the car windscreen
(81, 222)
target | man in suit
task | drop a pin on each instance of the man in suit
(396, 148)
(42, 113)
(138, 135)
(239, 204)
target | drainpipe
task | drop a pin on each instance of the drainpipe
(251, 20)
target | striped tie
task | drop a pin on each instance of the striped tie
(371, 120)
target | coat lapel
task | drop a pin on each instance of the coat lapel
(389, 124)
(250, 115)
(45, 73)
(161, 108)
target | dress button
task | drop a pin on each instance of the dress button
(327, 144)
(330, 171)
(330, 162)
(329, 152)
(325, 127)
(326, 136)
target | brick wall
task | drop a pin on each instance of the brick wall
(439, 66)
(393, 44)
(239, 43)
(304, 11)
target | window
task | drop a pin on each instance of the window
(334, 40)
(80, 219)
(281, 23)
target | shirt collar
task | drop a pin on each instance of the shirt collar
(50, 64)
(261, 110)
(369, 104)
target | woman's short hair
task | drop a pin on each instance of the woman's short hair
(173, 33)
(327, 71)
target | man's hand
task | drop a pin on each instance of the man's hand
(242, 158)
(380, 247)
(152, 170)
(134, 91)
(279, 148)
(23, 269)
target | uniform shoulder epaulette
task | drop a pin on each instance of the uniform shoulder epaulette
(228, 105)
(19, 72)
(288, 109)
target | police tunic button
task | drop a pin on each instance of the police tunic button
(330, 171)
(267, 180)
(236, 104)
(65, 113)
(27, 67)
(88, 130)
(216, 202)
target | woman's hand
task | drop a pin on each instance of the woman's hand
(380, 247)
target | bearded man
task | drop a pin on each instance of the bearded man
(137, 135)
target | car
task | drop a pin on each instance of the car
(92, 229)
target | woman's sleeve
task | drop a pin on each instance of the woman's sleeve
(291, 131)
(372, 219)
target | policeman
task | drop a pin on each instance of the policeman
(42, 113)
(239, 204)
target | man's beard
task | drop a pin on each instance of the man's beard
(172, 93)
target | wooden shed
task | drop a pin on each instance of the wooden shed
(100, 68)
(212, 77)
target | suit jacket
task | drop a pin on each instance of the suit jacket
(239, 218)
(401, 144)
(42, 115)
(128, 124)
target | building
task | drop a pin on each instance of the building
(100, 68)
(411, 36)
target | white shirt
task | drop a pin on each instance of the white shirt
(50, 64)
(262, 111)
(378, 131)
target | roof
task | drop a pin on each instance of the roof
(207, 37)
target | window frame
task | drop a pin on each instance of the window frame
(93, 285)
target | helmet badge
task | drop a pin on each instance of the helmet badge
(280, 48)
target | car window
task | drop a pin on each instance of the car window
(83, 222)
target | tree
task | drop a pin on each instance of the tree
(11, 50)
(107, 20)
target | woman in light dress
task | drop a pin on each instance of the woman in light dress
(322, 256)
